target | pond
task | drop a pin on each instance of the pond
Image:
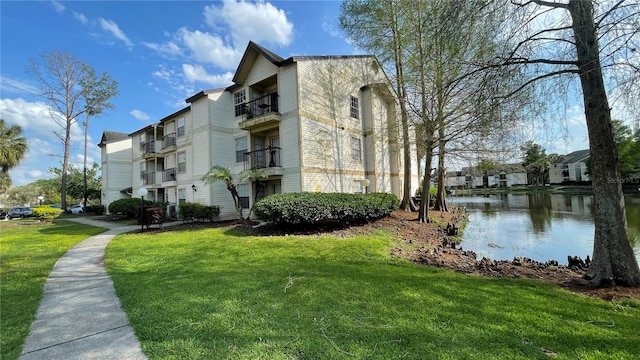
(538, 226)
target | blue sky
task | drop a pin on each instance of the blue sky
(160, 52)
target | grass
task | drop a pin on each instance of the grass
(27, 255)
(214, 293)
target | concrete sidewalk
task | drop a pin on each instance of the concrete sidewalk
(80, 316)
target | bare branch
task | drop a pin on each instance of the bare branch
(538, 78)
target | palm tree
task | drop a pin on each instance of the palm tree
(219, 173)
(13, 147)
(254, 175)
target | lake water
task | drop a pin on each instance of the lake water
(537, 226)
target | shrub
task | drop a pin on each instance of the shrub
(98, 209)
(311, 208)
(152, 215)
(46, 213)
(198, 212)
(128, 207)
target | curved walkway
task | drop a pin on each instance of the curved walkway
(80, 316)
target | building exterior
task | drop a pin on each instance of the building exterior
(503, 175)
(570, 168)
(116, 166)
(310, 123)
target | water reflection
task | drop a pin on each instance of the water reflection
(538, 226)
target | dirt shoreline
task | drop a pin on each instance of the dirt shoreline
(429, 245)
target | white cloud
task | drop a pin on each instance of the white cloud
(330, 25)
(209, 48)
(16, 86)
(80, 17)
(170, 49)
(258, 21)
(140, 115)
(233, 25)
(58, 6)
(197, 73)
(45, 148)
(113, 28)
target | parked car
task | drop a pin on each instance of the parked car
(76, 209)
(19, 212)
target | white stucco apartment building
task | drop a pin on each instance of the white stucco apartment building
(312, 123)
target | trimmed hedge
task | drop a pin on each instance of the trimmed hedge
(129, 207)
(46, 213)
(199, 212)
(98, 209)
(311, 208)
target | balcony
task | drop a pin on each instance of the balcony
(149, 178)
(267, 159)
(148, 150)
(169, 174)
(261, 112)
(168, 143)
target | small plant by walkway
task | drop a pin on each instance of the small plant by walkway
(27, 255)
(216, 293)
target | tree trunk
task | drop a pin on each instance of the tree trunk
(65, 166)
(84, 172)
(441, 204)
(613, 260)
(423, 210)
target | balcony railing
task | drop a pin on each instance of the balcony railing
(169, 174)
(168, 140)
(261, 159)
(148, 147)
(261, 106)
(149, 178)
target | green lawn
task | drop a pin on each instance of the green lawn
(27, 255)
(216, 294)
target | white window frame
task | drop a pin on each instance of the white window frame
(354, 108)
(183, 153)
(240, 151)
(356, 148)
(243, 195)
(182, 196)
(180, 127)
(357, 186)
(239, 99)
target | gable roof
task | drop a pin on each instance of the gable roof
(575, 156)
(111, 136)
(250, 55)
(254, 50)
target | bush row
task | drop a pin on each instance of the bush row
(199, 212)
(311, 208)
(128, 207)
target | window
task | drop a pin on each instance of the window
(142, 169)
(143, 143)
(356, 152)
(355, 108)
(357, 186)
(241, 148)
(181, 196)
(239, 99)
(243, 194)
(182, 162)
(180, 126)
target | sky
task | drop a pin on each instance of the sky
(160, 52)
